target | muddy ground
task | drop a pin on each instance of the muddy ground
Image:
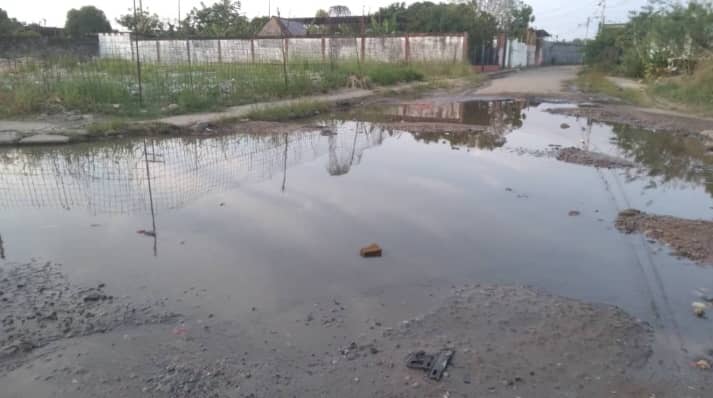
(62, 339)
(508, 341)
(640, 118)
(692, 239)
(589, 158)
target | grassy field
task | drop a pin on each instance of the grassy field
(109, 86)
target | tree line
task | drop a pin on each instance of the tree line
(481, 19)
(659, 39)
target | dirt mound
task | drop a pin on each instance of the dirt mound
(692, 239)
(588, 158)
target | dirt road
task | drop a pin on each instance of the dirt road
(250, 284)
(541, 81)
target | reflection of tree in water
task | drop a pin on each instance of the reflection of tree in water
(668, 156)
(463, 140)
(346, 149)
(113, 177)
(501, 117)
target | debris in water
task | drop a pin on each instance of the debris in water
(372, 250)
(180, 331)
(588, 158)
(434, 365)
(699, 309)
(574, 213)
(703, 364)
(564, 126)
(146, 233)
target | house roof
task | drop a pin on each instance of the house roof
(293, 28)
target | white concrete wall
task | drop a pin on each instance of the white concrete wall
(436, 48)
(516, 54)
(385, 49)
(379, 49)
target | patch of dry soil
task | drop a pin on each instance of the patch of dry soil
(588, 158)
(692, 239)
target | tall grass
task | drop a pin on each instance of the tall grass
(110, 86)
(695, 90)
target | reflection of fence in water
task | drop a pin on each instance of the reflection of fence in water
(112, 179)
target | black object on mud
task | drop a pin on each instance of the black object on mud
(434, 365)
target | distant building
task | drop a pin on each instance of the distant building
(282, 27)
(291, 27)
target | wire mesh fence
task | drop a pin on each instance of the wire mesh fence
(114, 178)
(133, 75)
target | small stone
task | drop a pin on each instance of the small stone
(356, 379)
(172, 107)
(91, 297)
(372, 250)
(703, 365)
(564, 126)
(629, 213)
(700, 312)
(574, 213)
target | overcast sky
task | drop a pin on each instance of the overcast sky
(565, 18)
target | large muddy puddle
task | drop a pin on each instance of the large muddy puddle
(273, 221)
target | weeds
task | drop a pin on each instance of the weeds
(110, 86)
(297, 110)
(594, 80)
(695, 90)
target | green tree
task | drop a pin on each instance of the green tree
(143, 22)
(656, 35)
(218, 20)
(9, 26)
(86, 20)
(428, 17)
(256, 24)
(521, 16)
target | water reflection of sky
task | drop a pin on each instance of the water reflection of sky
(275, 219)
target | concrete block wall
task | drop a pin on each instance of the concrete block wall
(516, 56)
(436, 48)
(385, 49)
(562, 53)
(304, 48)
(415, 48)
(236, 51)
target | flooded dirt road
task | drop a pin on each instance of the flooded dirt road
(241, 253)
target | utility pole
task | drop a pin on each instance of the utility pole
(603, 4)
(179, 13)
(586, 35)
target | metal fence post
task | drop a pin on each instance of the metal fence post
(138, 58)
(190, 71)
